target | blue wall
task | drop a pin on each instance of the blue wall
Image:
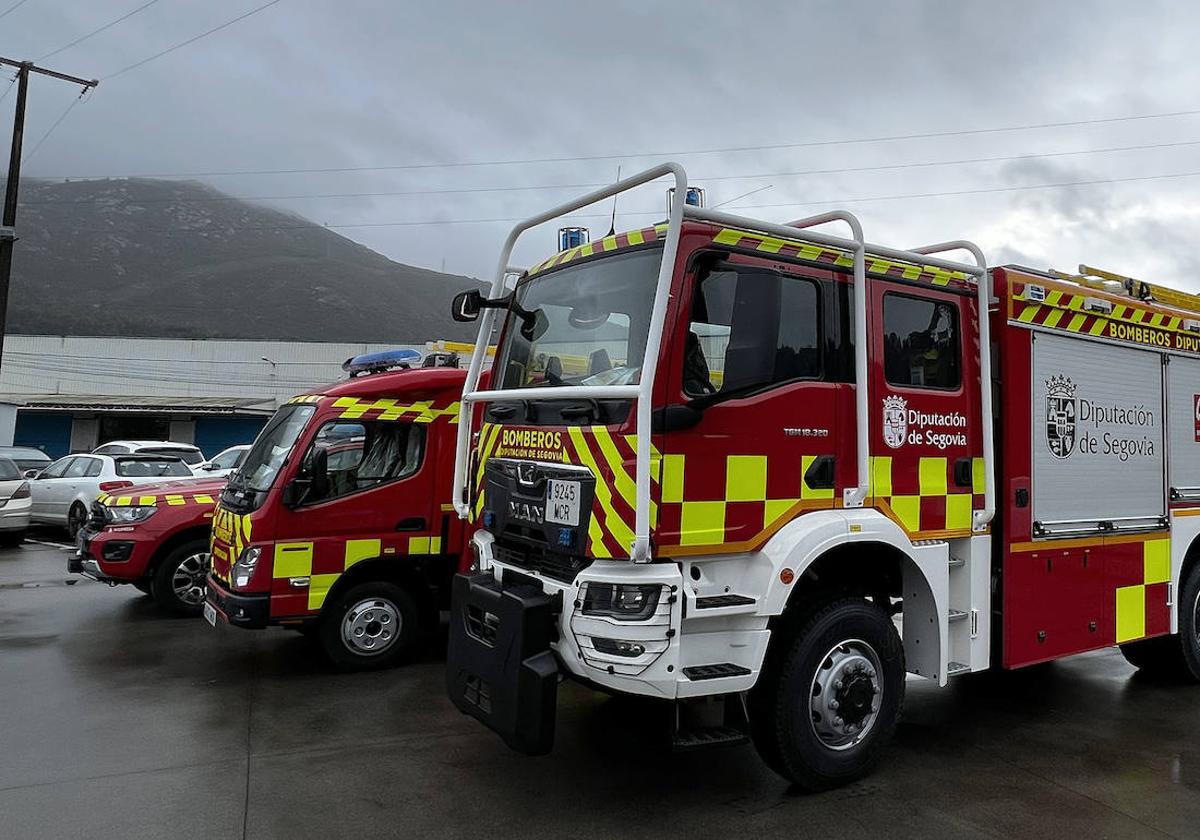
(214, 434)
(48, 432)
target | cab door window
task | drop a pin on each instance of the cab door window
(751, 328)
(921, 346)
(360, 455)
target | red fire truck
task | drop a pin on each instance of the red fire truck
(332, 524)
(154, 537)
(758, 469)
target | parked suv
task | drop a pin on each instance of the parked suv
(65, 490)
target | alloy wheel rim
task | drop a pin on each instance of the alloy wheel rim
(188, 580)
(846, 695)
(371, 626)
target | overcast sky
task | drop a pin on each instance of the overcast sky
(311, 84)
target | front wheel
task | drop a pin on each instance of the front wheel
(826, 705)
(179, 581)
(76, 517)
(370, 626)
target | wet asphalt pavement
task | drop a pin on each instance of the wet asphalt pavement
(116, 722)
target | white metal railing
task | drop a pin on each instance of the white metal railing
(642, 392)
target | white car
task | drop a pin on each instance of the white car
(14, 504)
(63, 492)
(225, 463)
(191, 455)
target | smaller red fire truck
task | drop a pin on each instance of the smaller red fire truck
(333, 524)
(154, 537)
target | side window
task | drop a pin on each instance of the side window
(921, 344)
(751, 328)
(78, 468)
(228, 460)
(111, 449)
(93, 469)
(57, 469)
(365, 454)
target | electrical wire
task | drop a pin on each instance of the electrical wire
(193, 39)
(13, 8)
(593, 185)
(56, 124)
(11, 84)
(677, 153)
(106, 26)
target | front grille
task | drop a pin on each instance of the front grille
(96, 518)
(535, 558)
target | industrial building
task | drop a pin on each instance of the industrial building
(73, 393)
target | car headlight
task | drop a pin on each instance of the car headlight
(244, 568)
(129, 514)
(624, 601)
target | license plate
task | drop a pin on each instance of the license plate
(562, 502)
(210, 614)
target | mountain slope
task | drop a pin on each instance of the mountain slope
(143, 257)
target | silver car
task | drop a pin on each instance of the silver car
(64, 491)
(14, 504)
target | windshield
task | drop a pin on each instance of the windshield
(150, 467)
(271, 448)
(188, 456)
(587, 324)
(8, 470)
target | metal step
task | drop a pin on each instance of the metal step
(953, 669)
(715, 736)
(713, 602)
(957, 615)
(957, 562)
(714, 672)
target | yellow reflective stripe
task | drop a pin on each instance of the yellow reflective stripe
(958, 511)
(1156, 561)
(203, 498)
(146, 500)
(174, 499)
(745, 478)
(636, 238)
(1028, 313)
(908, 509)
(978, 476)
(123, 501)
(292, 560)
(1076, 322)
(1098, 327)
(728, 237)
(616, 526)
(881, 475)
(806, 492)
(702, 523)
(625, 486)
(357, 550)
(933, 476)
(318, 588)
(596, 533)
(672, 478)
(1131, 613)
(1053, 318)
(775, 508)
(418, 545)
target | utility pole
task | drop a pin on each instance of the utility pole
(8, 220)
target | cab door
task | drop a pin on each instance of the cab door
(756, 369)
(925, 432)
(374, 501)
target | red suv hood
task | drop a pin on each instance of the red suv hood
(210, 486)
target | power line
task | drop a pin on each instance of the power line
(592, 185)
(106, 26)
(13, 8)
(193, 39)
(676, 153)
(55, 125)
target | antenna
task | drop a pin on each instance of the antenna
(612, 228)
(744, 195)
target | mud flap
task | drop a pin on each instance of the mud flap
(499, 666)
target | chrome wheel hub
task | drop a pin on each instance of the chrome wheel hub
(188, 580)
(371, 626)
(846, 694)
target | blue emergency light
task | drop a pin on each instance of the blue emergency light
(692, 195)
(382, 360)
(572, 237)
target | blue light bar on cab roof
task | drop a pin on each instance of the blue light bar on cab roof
(383, 360)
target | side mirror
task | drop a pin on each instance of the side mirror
(208, 466)
(311, 484)
(466, 306)
(534, 324)
(31, 474)
(675, 418)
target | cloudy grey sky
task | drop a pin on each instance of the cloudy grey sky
(309, 84)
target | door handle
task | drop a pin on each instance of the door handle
(964, 472)
(412, 523)
(820, 473)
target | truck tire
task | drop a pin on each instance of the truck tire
(179, 580)
(370, 626)
(1174, 657)
(829, 698)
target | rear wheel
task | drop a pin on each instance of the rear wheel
(828, 701)
(76, 517)
(1175, 657)
(370, 626)
(178, 582)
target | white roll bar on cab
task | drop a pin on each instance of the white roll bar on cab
(642, 392)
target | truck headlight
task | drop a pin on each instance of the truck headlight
(623, 601)
(244, 568)
(130, 514)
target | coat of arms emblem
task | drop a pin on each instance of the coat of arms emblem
(1060, 416)
(895, 421)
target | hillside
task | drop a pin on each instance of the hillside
(141, 257)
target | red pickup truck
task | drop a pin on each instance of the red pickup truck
(153, 536)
